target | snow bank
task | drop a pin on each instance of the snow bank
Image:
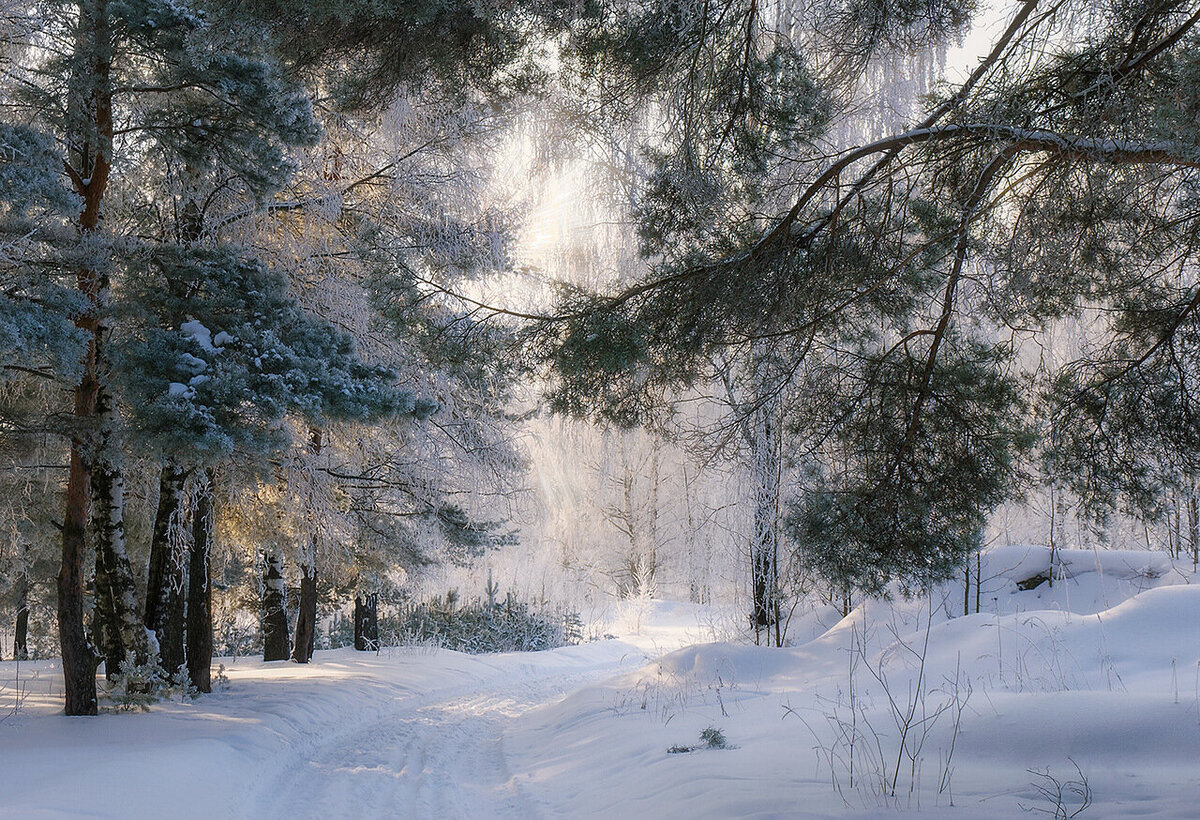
(1101, 670)
(905, 704)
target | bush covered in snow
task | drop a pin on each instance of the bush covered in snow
(141, 685)
(479, 626)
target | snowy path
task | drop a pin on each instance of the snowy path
(1107, 695)
(434, 756)
(407, 732)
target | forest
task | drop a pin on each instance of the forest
(507, 326)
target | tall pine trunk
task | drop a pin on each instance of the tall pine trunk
(199, 599)
(164, 586)
(21, 641)
(366, 622)
(306, 616)
(274, 613)
(88, 166)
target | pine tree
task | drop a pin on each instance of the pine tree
(893, 278)
(120, 84)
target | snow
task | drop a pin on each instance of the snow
(196, 330)
(193, 363)
(1101, 672)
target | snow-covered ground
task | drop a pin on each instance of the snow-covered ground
(1090, 687)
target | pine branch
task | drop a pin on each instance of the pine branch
(978, 194)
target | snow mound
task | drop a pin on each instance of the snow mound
(1088, 686)
(907, 704)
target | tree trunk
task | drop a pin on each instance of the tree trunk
(116, 595)
(105, 637)
(366, 622)
(967, 587)
(199, 601)
(358, 632)
(978, 579)
(1194, 526)
(87, 165)
(1053, 509)
(108, 523)
(171, 643)
(165, 585)
(274, 614)
(764, 549)
(306, 617)
(21, 642)
(78, 662)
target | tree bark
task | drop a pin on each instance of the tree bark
(104, 627)
(165, 585)
(359, 646)
(978, 579)
(1194, 526)
(366, 622)
(274, 615)
(967, 587)
(199, 601)
(21, 641)
(306, 617)
(764, 552)
(87, 166)
(116, 595)
(78, 661)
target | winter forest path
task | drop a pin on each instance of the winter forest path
(406, 732)
(438, 755)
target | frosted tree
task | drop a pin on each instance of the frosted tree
(134, 100)
(706, 177)
(124, 90)
(891, 277)
(381, 226)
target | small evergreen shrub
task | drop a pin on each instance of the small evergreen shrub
(479, 627)
(180, 686)
(136, 685)
(340, 632)
(141, 685)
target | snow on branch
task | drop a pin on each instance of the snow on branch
(1077, 147)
